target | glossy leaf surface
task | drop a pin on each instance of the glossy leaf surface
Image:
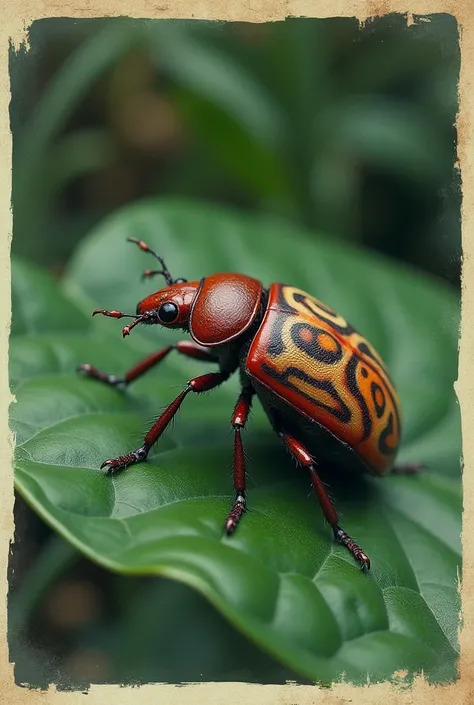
(280, 579)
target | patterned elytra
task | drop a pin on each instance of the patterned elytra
(316, 362)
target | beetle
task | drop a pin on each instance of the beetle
(325, 390)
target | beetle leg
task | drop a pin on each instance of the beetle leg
(239, 419)
(184, 347)
(407, 469)
(203, 383)
(300, 453)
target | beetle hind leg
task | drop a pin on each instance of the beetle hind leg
(299, 452)
(407, 469)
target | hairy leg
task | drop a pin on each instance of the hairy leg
(300, 453)
(184, 347)
(239, 419)
(199, 384)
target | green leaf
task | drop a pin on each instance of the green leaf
(148, 611)
(39, 306)
(280, 579)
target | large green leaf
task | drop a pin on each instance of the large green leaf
(280, 579)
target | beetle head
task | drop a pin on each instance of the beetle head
(215, 311)
(169, 306)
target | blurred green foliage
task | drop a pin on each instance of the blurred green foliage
(344, 129)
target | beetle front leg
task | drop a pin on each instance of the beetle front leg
(199, 384)
(239, 419)
(185, 347)
(300, 453)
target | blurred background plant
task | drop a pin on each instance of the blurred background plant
(344, 129)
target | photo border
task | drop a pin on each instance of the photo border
(18, 16)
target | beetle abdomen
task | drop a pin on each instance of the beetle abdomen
(316, 362)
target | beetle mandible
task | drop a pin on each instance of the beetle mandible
(325, 390)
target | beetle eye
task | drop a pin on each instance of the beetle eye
(168, 312)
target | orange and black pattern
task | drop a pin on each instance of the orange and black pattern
(318, 363)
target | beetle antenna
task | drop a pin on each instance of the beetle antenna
(151, 272)
(126, 329)
(118, 314)
(113, 314)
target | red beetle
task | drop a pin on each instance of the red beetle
(324, 388)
